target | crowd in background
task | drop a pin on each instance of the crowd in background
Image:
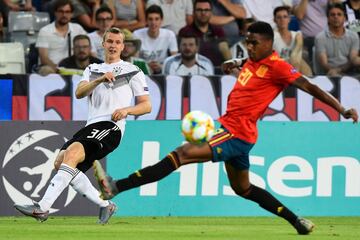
(191, 37)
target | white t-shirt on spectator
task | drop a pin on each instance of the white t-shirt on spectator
(261, 10)
(156, 49)
(96, 45)
(56, 44)
(173, 66)
(174, 13)
(106, 98)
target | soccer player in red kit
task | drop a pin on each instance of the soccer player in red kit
(262, 78)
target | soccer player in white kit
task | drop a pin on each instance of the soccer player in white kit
(109, 87)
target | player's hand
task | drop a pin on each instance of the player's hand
(351, 113)
(119, 114)
(229, 65)
(108, 77)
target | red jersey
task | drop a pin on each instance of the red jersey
(256, 87)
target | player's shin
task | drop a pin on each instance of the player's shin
(82, 185)
(269, 203)
(150, 174)
(57, 185)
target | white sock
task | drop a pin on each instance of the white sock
(57, 185)
(82, 185)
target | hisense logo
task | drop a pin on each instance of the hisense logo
(290, 176)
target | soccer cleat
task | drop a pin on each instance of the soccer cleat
(304, 226)
(34, 211)
(106, 212)
(106, 188)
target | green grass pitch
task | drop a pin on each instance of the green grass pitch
(172, 228)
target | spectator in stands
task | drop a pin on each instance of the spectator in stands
(156, 42)
(131, 48)
(261, 10)
(212, 42)
(289, 44)
(54, 40)
(239, 50)
(128, 14)
(337, 47)
(18, 5)
(81, 57)
(104, 21)
(352, 8)
(14, 5)
(312, 19)
(177, 13)
(188, 61)
(84, 13)
(226, 13)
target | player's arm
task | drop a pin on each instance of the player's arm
(85, 88)
(304, 84)
(142, 106)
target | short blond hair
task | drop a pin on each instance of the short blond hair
(114, 30)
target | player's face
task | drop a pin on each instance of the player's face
(188, 48)
(113, 44)
(258, 46)
(282, 19)
(63, 15)
(336, 18)
(104, 21)
(154, 22)
(82, 49)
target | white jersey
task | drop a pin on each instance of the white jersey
(106, 98)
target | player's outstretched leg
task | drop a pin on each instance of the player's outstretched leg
(110, 188)
(33, 210)
(239, 181)
(304, 226)
(107, 186)
(106, 212)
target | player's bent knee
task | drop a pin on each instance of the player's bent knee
(59, 159)
(57, 164)
(241, 190)
(73, 156)
(183, 153)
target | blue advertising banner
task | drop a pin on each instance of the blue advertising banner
(312, 167)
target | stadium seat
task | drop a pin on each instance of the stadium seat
(316, 66)
(24, 26)
(12, 58)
